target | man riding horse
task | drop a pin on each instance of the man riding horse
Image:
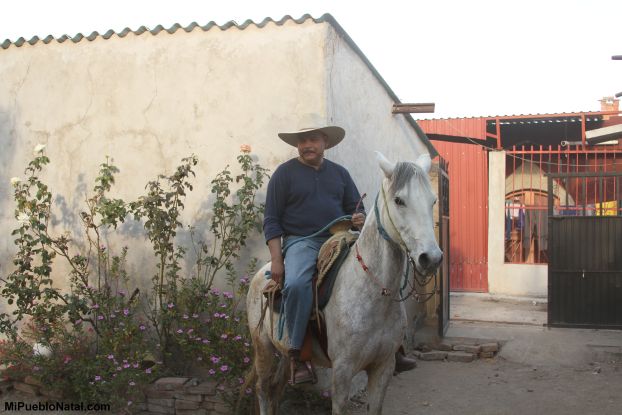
(304, 195)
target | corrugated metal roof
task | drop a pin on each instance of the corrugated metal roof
(457, 127)
(475, 127)
(159, 28)
(232, 24)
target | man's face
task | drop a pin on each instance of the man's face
(311, 147)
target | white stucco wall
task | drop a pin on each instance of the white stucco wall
(507, 279)
(147, 101)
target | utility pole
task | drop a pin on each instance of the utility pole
(617, 58)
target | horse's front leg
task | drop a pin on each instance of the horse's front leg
(342, 381)
(378, 380)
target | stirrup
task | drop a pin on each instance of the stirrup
(301, 372)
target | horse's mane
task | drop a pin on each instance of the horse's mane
(403, 173)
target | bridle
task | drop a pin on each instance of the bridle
(385, 292)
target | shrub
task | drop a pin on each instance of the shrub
(98, 333)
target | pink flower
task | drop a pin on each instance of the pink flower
(110, 357)
(247, 359)
(215, 359)
(249, 391)
(98, 378)
(126, 312)
(245, 148)
(141, 327)
(224, 368)
(224, 336)
(148, 370)
(211, 372)
(170, 305)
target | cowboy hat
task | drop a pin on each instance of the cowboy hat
(333, 134)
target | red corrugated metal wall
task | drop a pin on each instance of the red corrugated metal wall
(468, 210)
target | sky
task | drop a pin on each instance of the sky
(471, 58)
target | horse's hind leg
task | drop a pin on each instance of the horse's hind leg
(377, 383)
(264, 367)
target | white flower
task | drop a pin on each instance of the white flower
(23, 218)
(15, 181)
(39, 148)
(41, 350)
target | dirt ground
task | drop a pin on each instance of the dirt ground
(499, 387)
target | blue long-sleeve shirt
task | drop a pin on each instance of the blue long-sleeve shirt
(302, 200)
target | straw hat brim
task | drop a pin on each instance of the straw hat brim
(334, 135)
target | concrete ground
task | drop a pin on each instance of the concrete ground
(519, 324)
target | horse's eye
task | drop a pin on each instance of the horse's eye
(398, 201)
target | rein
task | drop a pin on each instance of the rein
(385, 292)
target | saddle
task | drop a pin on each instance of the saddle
(330, 258)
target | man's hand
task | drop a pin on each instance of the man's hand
(358, 219)
(277, 269)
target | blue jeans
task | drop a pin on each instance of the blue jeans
(300, 265)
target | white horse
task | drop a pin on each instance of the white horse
(364, 319)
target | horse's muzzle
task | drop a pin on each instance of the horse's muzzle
(430, 261)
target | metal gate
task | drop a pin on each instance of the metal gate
(585, 251)
(443, 223)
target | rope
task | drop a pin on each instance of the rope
(291, 242)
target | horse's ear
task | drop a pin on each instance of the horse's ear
(424, 161)
(386, 166)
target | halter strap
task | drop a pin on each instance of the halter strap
(381, 230)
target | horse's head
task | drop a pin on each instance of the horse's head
(406, 201)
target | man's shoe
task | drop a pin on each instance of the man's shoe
(403, 363)
(300, 372)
